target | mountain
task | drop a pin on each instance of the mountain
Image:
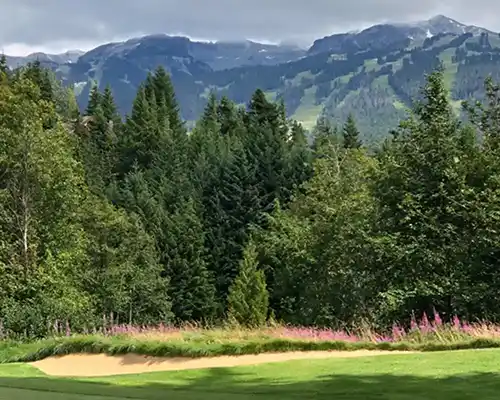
(393, 36)
(442, 24)
(67, 57)
(374, 73)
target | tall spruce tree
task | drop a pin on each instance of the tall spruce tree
(351, 134)
(248, 299)
(4, 68)
(95, 99)
(425, 199)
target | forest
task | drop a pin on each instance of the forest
(135, 220)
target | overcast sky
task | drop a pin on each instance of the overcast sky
(58, 25)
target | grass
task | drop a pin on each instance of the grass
(308, 111)
(15, 352)
(450, 68)
(424, 335)
(430, 376)
(372, 65)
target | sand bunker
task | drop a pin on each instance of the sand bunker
(91, 365)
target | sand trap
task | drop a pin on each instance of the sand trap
(90, 365)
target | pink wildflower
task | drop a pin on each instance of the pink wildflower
(413, 323)
(397, 332)
(424, 324)
(437, 318)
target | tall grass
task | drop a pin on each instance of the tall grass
(193, 341)
(420, 331)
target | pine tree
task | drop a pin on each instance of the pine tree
(300, 159)
(164, 92)
(423, 194)
(141, 139)
(248, 299)
(231, 204)
(109, 108)
(4, 68)
(95, 99)
(325, 136)
(40, 77)
(191, 289)
(351, 134)
(228, 117)
(267, 149)
(99, 142)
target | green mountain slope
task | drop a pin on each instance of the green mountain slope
(373, 74)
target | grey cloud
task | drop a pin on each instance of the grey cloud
(37, 23)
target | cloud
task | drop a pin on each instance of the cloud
(60, 24)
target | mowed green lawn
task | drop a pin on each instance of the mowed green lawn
(448, 375)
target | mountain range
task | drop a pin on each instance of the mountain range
(375, 74)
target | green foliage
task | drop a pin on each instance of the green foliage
(248, 300)
(351, 134)
(243, 217)
(42, 249)
(425, 198)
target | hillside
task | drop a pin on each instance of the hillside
(373, 74)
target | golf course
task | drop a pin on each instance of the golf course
(453, 375)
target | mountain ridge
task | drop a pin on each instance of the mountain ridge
(374, 73)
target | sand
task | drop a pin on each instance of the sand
(93, 365)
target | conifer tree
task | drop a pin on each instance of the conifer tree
(325, 136)
(40, 76)
(351, 134)
(267, 149)
(423, 194)
(228, 117)
(95, 99)
(164, 92)
(300, 159)
(231, 204)
(210, 118)
(248, 299)
(109, 108)
(140, 140)
(191, 288)
(4, 68)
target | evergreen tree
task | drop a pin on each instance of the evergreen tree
(109, 108)
(231, 204)
(351, 134)
(99, 140)
(4, 68)
(300, 158)
(41, 78)
(325, 136)
(267, 149)
(228, 117)
(191, 289)
(95, 99)
(141, 139)
(425, 199)
(164, 92)
(248, 299)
